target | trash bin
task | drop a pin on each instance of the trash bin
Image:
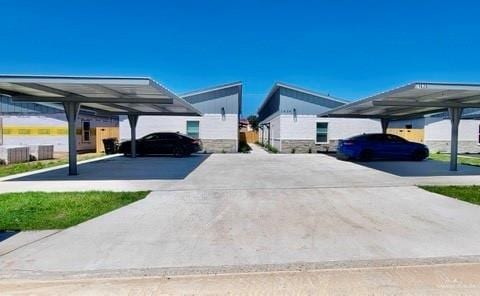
(110, 145)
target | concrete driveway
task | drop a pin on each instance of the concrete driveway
(240, 212)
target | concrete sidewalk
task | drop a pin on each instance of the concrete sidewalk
(256, 149)
(444, 279)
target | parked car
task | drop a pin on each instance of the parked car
(380, 146)
(163, 143)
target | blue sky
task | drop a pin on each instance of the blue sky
(349, 49)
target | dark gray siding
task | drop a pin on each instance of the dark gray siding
(271, 106)
(7, 106)
(305, 103)
(212, 102)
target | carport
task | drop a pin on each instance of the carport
(415, 100)
(107, 96)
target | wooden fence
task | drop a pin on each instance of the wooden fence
(249, 137)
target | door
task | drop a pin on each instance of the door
(104, 133)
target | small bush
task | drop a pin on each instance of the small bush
(310, 150)
(271, 148)
(293, 150)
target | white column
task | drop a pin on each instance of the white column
(71, 111)
(133, 119)
(455, 116)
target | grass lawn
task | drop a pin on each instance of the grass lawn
(17, 168)
(462, 159)
(469, 194)
(57, 210)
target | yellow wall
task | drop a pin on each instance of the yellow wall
(413, 134)
(36, 130)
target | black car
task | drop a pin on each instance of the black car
(163, 143)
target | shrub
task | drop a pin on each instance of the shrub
(271, 148)
(293, 150)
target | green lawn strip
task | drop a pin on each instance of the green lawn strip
(17, 168)
(469, 194)
(58, 210)
(467, 160)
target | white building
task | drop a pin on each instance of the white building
(23, 123)
(289, 122)
(217, 127)
(434, 131)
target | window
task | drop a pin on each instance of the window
(322, 132)
(151, 137)
(86, 131)
(193, 129)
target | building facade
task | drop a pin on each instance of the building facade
(24, 123)
(434, 131)
(217, 128)
(289, 122)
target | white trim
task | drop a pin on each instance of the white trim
(328, 138)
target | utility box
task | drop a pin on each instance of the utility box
(14, 154)
(41, 152)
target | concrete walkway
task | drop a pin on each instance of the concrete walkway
(256, 149)
(249, 212)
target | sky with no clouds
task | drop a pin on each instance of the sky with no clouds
(348, 49)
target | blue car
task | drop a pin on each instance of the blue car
(368, 147)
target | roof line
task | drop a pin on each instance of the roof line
(366, 99)
(279, 84)
(72, 76)
(209, 89)
(411, 85)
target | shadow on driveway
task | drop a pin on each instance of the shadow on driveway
(6, 234)
(426, 168)
(126, 168)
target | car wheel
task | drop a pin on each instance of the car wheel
(366, 155)
(178, 152)
(418, 155)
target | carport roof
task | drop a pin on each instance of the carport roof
(412, 100)
(104, 95)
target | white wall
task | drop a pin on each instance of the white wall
(304, 127)
(440, 129)
(275, 132)
(212, 126)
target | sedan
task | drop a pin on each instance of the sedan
(380, 146)
(163, 143)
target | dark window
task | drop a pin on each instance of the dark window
(394, 138)
(151, 137)
(322, 132)
(86, 131)
(408, 126)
